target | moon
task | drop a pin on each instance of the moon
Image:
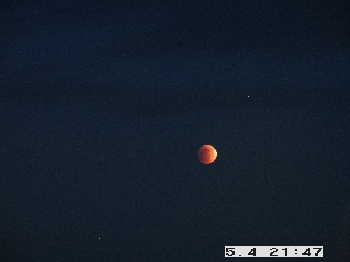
(207, 154)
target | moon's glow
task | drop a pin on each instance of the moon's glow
(207, 154)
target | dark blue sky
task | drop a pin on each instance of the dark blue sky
(79, 48)
(104, 106)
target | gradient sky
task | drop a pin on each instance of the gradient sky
(104, 106)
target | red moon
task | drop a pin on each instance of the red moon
(207, 154)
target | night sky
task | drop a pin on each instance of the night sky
(103, 107)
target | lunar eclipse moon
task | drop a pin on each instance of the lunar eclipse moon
(207, 154)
